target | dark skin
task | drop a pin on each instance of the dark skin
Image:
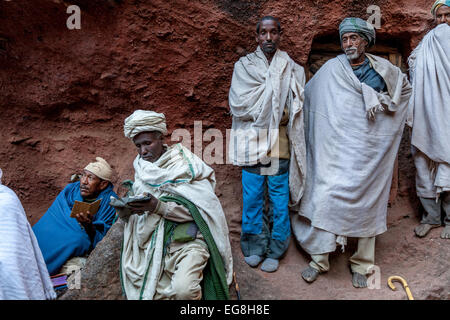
(268, 38)
(150, 146)
(90, 187)
(443, 15)
(354, 46)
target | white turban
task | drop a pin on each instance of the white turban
(144, 121)
(100, 168)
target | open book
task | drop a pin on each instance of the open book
(79, 207)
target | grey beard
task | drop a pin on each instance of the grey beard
(352, 56)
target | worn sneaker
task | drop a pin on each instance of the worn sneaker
(269, 265)
(253, 261)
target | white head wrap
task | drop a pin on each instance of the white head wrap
(144, 121)
(438, 4)
(100, 168)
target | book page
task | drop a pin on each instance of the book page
(79, 207)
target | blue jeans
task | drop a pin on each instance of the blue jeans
(256, 237)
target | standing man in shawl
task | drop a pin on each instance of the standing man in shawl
(356, 109)
(62, 237)
(429, 117)
(266, 101)
(176, 243)
(23, 273)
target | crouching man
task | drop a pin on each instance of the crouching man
(176, 243)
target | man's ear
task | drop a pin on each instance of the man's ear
(103, 184)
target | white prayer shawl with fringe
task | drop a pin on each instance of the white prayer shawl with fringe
(177, 172)
(23, 272)
(351, 148)
(259, 93)
(429, 106)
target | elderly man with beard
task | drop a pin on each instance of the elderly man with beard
(429, 117)
(356, 110)
(176, 243)
(266, 101)
(65, 241)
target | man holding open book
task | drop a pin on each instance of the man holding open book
(79, 217)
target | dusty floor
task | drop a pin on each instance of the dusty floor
(423, 263)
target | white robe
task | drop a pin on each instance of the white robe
(429, 110)
(23, 272)
(259, 93)
(351, 148)
(176, 172)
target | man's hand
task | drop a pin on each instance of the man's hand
(84, 218)
(140, 206)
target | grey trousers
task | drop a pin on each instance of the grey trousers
(361, 261)
(434, 210)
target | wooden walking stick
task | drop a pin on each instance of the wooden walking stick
(405, 285)
(238, 293)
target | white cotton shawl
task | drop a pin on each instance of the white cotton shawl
(23, 272)
(351, 149)
(259, 93)
(429, 106)
(176, 172)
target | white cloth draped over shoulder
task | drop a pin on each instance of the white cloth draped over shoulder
(429, 107)
(259, 93)
(23, 272)
(177, 172)
(352, 138)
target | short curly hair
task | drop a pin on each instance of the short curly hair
(258, 25)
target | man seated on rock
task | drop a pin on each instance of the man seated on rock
(62, 237)
(23, 273)
(429, 118)
(356, 107)
(176, 243)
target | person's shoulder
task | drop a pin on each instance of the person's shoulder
(71, 187)
(247, 59)
(377, 61)
(8, 194)
(441, 30)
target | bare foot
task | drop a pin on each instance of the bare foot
(422, 229)
(359, 280)
(310, 274)
(445, 234)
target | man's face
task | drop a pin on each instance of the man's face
(443, 15)
(150, 145)
(269, 36)
(353, 45)
(91, 185)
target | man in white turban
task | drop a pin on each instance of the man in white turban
(62, 237)
(176, 243)
(23, 273)
(429, 111)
